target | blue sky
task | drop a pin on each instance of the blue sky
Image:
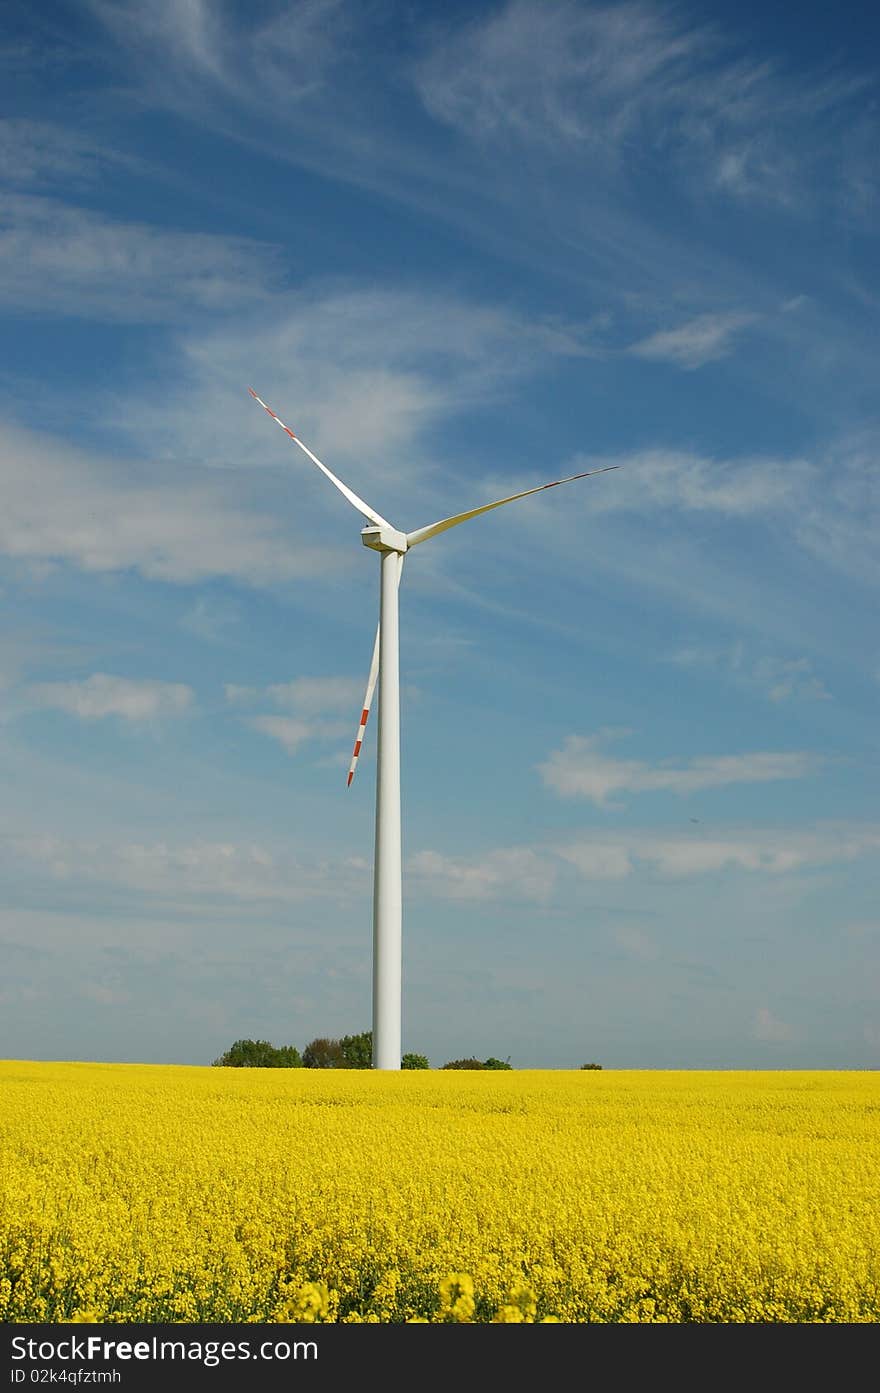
(461, 250)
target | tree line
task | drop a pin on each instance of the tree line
(349, 1052)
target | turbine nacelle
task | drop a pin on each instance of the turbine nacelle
(384, 539)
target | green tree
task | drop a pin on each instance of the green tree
(415, 1061)
(357, 1050)
(464, 1064)
(492, 1063)
(259, 1054)
(323, 1054)
(591, 1066)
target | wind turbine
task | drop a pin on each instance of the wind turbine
(392, 545)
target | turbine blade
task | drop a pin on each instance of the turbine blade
(369, 513)
(368, 695)
(422, 534)
(365, 712)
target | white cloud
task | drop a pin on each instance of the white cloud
(179, 43)
(578, 769)
(55, 258)
(201, 872)
(186, 871)
(700, 857)
(102, 694)
(599, 860)
(792, 678)
(291, 732)
(286, 730)
(840, 523)
(779, 679)
(498, 875)
(775, 851)
(357, 372)
(190, 29)
(699, 341)
(65, 504)
(585, 75)
(757, 169)
(604, 83)
(652, 479)
(318, 694)
(310, 698)
(34, 153)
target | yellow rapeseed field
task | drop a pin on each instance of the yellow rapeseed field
(137, 1193)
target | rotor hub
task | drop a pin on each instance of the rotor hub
(384, 539)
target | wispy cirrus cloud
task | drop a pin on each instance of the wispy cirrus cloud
(608, 88)
(251, 61)
(56, 258)
(839, 524)
(583, 74)
(310, 699)
(702, 340)
(186, 871)
(518, 873)
(775, 677)
(358, 371)
(38, 154)
(595, 80)
(755, 850)
(201, 872)
(532, 872)
(580, 770)
(65, 504)
(650, 480)
(606, 82)
(104, 694)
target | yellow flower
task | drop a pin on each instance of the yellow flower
(457, 1297)
(155, 1194)
(508, 1315)
(311, 1303)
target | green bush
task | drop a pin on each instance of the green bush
(259, 1054)
(591, 1066)
(357, 1050)
(464, 1064)
(492, 1063)
(414, 1061)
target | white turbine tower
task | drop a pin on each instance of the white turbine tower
(392, 546)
